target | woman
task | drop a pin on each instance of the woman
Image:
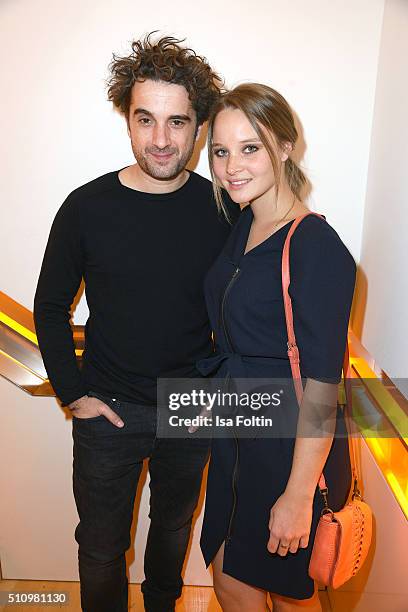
(263, 503)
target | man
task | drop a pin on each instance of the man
(142, 239)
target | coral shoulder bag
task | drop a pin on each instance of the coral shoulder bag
(342, 538)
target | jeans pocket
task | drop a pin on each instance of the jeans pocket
(95, 418)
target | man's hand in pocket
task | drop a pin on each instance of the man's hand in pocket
(87, 407)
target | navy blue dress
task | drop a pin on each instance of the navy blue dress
(245, 305)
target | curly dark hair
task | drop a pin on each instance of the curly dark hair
(164, 60)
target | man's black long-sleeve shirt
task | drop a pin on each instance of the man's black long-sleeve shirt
(143, 258)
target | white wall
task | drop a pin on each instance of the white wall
(59, 132)
(384, 255)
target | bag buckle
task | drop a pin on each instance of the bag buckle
(356, 491)
(293, 352)
(324, 493)
(326, 509)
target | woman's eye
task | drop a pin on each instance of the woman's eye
(220, 153)
(251, 149)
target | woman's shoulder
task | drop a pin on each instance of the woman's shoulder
(315, 239)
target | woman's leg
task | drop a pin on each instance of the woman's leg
(286, 604)
(234, 595)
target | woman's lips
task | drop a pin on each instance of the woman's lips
(238, 184)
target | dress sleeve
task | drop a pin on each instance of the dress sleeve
(322, 284)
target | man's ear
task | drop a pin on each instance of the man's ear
(127, 126)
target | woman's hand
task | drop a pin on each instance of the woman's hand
(289, 523)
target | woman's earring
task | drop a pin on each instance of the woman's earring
(287, 149)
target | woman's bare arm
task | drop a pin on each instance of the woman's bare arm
(315, 430)
(291, 515)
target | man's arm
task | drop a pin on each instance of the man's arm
(59, 281)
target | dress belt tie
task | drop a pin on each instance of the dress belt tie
(236, 363)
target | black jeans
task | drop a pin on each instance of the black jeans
(106, 469)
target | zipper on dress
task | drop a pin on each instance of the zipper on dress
(235, 470)
(227, 290)
(234, 491)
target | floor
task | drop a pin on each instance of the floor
(195, 599)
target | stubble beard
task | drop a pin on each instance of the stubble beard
(165, 170)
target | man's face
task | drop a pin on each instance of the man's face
(162, 128)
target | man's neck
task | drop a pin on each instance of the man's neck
(134, 178)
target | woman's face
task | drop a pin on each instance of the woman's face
(241, 162)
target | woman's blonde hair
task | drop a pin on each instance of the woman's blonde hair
(272, 119)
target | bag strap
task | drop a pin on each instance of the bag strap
(348, 410)
(293, 352)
